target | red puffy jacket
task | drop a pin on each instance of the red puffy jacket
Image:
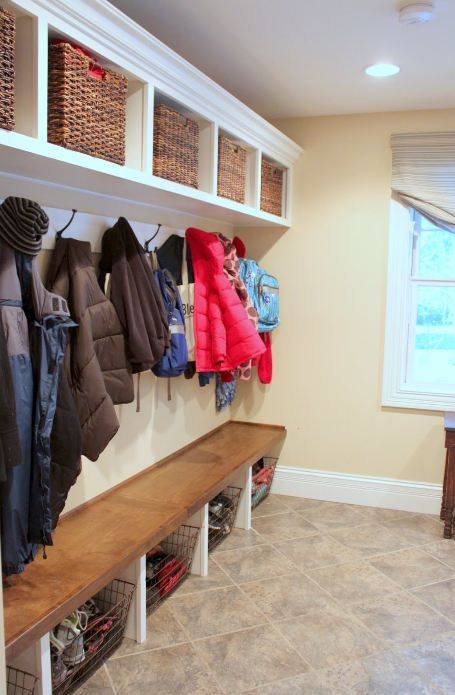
(225, 336)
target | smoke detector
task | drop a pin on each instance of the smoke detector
(416, 12)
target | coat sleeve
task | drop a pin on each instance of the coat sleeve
(217, 330)
(10, 449)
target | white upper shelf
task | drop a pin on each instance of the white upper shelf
(152, 69)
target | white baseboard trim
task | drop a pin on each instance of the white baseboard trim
(358, 489)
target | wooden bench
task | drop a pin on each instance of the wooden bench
(97, 542)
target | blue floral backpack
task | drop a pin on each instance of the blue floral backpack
(264, 292)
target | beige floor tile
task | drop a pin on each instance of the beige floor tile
(436, 660)
(239, 538)
(443, 550)
(416, 530)
(317, 551)
(163, 630)
(332, 516)
(440, 596)
(283, 527)
(412, 567)
(273, 504)
(248, 659)
(98, 683)
(300, 504)
(353, 582)
(163, 672)
(288, 596)
(285, 499)
(381, 674)
(379, 515)
(370, 539)
(401, 618)
(307, 684)
(328, 637)
(216, 612)
(249, 564)
(216, 579)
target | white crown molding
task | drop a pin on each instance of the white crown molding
(112, 34)
(365, 490)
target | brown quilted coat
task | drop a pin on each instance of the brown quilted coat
(96, 367)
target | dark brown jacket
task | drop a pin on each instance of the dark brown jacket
(135, 295)
(97, 367)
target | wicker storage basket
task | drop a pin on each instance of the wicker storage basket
(271, 188)
(231, 169)
(7, 41)
(175, 146)
(87, 113)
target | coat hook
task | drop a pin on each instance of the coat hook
(60, 231)
(146, 245)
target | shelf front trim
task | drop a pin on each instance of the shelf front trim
(25, 156)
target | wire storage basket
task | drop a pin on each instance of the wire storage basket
(169, 563)
(81, 642)
(222, 513)
(7, 48)
(19, 682)
(231, 169)
(262, 479)
(175, 146)
(86, 104)
(271, 188)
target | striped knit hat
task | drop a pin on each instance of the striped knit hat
(22, 225)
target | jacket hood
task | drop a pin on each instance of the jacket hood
(170, 257)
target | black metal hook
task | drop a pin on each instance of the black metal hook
(146, 245)
(60, 231)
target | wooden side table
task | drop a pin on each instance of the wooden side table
(448, 491)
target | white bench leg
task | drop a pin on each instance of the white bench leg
(243, 480)
(37, 661)
(136, 624)
(200, 564)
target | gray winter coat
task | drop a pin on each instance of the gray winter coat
(35, 323)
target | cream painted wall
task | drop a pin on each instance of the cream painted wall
(160, 428)
(332, 266)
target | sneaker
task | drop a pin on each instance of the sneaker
(170, 575)
(155, 561)
(219, 504)
(58, 668)
(69, 634)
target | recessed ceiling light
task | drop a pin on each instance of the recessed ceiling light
(382, 70)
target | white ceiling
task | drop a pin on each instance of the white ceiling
(289, 58)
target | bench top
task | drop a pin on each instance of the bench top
(98, 540)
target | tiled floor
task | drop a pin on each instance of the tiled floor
(320, 598)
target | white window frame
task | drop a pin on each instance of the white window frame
(396, 392)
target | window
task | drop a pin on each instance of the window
(419, 360)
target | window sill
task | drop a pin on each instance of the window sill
(419, 400)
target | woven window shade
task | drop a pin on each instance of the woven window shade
(423, 175)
